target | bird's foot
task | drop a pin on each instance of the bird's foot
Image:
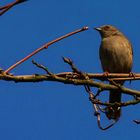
(131, 74)
(105, 74)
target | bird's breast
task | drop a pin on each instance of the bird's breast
(116, 55)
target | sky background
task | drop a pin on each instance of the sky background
(50, 110)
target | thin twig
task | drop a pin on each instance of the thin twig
(119, 104)
(99, 121)
(75, 69)
(70, 62)
(136, 121)
(9, 6)
(44, 47)
(97, 113)
(42, 67)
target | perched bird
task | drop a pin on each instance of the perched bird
(116, 56)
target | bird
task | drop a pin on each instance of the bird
(116, 56)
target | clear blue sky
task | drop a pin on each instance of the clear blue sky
(50, 111)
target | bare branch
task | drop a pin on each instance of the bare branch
(110, 76)
(42, 67)
(121, 104)
(65, 80)
(5, 8)
(96, 109)
(44, 47)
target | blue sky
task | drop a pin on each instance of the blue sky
(49, 111)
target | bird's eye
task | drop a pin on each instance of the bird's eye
(106, 27)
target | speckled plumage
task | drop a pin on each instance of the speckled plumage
(116, 56)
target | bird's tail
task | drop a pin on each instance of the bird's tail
(114, 112)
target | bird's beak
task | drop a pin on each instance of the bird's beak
(98, 29)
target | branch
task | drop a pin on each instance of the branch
(44, 47)
(5, 8)
(84, 79)
(121, 104)
(97, 109)
(109, 76)
(67, 80)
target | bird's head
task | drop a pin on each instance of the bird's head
(107, 31)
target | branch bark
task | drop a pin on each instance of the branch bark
(74, 79)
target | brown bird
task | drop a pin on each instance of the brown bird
(116, 56)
